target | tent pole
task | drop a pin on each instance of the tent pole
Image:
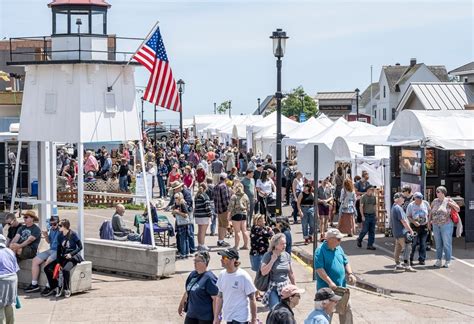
(15, 177)
(147, 195)
(80, 191)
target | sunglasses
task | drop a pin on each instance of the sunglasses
(53, 224)
(26, 217)
(60, 225)
(225, 257)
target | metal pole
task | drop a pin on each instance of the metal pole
(79, 38)
(215, 109)
(278, 139)
(302, 108)
(143, 115)
(181, 121)
(230, 108)
(15, 177)
(154, 126)
(80, 191)
(147, 195)
(357, 105)
(316, 215)
(258, 107)
(371, 105)
(53, 177)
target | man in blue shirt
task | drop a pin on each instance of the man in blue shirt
(332, 266)
(400, 229)
(326, 301)
(45, 257)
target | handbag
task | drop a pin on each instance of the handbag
(454, 216)
(262, 282)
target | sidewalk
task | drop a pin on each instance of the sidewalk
(116, 299)
(452, 289)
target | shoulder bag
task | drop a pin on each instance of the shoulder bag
(262, 282)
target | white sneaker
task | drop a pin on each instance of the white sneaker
(409, 269)
(59, 292)
(67, 293)
(438, 264)
(447, 264)
(398, 268)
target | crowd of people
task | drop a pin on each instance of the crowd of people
(229, 192)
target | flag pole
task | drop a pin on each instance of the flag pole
(131, 58)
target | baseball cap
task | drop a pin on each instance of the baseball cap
(231, 253)
(397, 195)
(418, 195)
(290, 290)
(325, 294)
(334, 232)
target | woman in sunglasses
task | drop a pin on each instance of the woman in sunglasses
(201, 292)
(69, 246)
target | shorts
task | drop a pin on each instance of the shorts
(323, 210)
(51, 254)
(27, 253)
(202, 220)
(223, 220)
(239, 217)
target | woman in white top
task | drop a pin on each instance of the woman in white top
(265, 187)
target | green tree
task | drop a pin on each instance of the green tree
(223, 107)
(292, 105)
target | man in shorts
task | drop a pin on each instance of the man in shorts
(27, 239)
(45, 257)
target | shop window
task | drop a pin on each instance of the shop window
(384, 91)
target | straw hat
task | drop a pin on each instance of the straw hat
(176, 185)
(32, 214)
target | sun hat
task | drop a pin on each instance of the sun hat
(176, 185)
(334, 232)
(32, 214)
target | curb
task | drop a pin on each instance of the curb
(307, 258)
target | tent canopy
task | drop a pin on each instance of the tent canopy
(309, 128)
(268, 131)
(448, 130)
(237, 126)
(340, 128)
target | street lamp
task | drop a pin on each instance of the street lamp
(302, 105)
(215, 108)
(279, 45)
(79, 23)
(230, 108)
(357, 103)
(258, 105)
(181, 91)
(155, 125)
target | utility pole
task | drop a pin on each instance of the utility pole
(230, 108)
(215, 108)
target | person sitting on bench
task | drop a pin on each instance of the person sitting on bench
(27, 239)
(68, 256)
(118, 225)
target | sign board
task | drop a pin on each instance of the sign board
(369, 150)
(335, 107)
(140, 188)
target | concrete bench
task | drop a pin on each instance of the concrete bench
(81, 276)
(130, 258)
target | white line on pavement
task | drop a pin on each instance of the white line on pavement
(435, 272)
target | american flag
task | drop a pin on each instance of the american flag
(161, 89)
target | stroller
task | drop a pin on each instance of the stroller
(270, 211)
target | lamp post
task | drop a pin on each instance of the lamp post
(79, 23)
(181, 91)
(279, 44)
(302, 105)
(230, 108)
(258, 105)
(215, 108)
(143, 114)
(357, 103)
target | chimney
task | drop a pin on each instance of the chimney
(412, 62)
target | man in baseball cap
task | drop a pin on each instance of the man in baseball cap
(326, 301)
(283, 311)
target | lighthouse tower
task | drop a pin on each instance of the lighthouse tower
(76, 92)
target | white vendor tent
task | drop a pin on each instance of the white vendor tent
(202, 121)
(265, 138)
(237, 128)
(305, 130)
(447, 130)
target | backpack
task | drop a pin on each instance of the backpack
(106, 231)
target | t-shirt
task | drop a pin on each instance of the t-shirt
(12, 231)
(217, 166)
(361, 186)
(398, 215)
(53, 239)
(333, 262)
(200, 295)
(369, 203)
(235, 288)
(419, 213)
(8, 263)
(25, 232)
(281, 267)
(249, 187)
(265, 187)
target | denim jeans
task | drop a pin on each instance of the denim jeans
(256, 262)
(444, 240)
(123, 184)
(162, 186)
(192, 246)
(183, 240)
(273, 299)
(213, 218)
(369, 227)
(294, 213)
(242, 165)
(420, 240)
(307, 221)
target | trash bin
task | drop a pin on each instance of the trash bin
(34, 188)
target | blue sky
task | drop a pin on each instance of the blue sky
(222, 51)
